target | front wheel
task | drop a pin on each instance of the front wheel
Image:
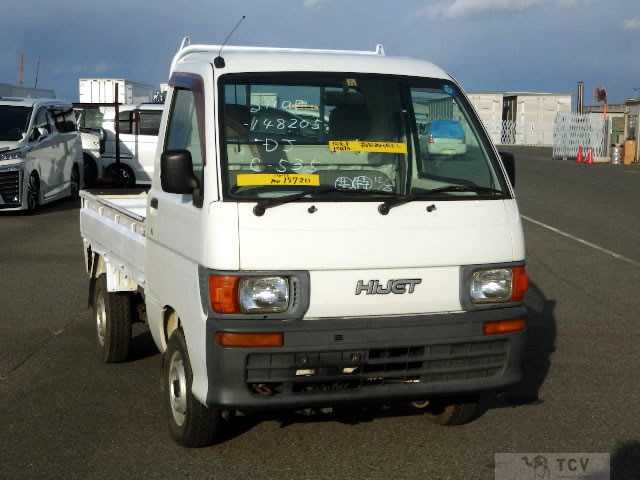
(191, 424)
(33, 192)
(113, 314)
(449, 412)
(74, 183)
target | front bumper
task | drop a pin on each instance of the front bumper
(349, 360)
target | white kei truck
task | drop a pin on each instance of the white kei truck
(302, 247)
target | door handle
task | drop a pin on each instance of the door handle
(154, 203)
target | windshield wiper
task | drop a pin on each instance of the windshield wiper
(384, 208)
(262, 205)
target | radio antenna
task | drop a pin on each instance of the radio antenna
(218, 62)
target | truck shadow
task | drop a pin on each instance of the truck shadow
(625, 460)
(540, 346)
(142, 344)
(623, 463)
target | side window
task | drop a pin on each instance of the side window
(64, 119)
(125, 119)
(449, 149)
(41, 125)
(91, 118)
(149, 122)
(70, 120)
(182, 128)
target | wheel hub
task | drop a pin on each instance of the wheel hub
(177, 389)
(101, 319)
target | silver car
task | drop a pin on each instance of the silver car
(40, 153)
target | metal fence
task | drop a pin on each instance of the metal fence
(506, 132)
(573, 130)
(565, 135)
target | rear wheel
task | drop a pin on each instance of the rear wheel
(121, 175)
(448, 412)
(33, 192)
(113, 314)
(191, 424)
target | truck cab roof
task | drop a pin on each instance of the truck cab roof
(257, 59)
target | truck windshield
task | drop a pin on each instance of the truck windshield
(14, 121)
(377, 134)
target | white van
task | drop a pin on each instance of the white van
(139, 125)
(40, 153)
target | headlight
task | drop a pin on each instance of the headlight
(508, 284)
(264, 294)
(14, 154)
(233, 295)
(491, 285)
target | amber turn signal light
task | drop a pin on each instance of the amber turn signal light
(504, 326)
(520, 284)
(250, 339)
(223, 294)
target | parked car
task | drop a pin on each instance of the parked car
(89, 121)
(40, 153)
(139, 125)
(445, 137)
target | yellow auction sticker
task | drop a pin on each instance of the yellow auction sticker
(262, 179)
(355, 146)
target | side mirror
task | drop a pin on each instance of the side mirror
(176, 172)
(509, 162)
(39, 134)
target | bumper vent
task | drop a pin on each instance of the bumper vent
(302, 372)
(10, 187)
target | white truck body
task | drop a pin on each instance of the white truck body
(288, 297)
(102, 90)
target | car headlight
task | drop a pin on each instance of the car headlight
(264, 294)
(255, 294)
(491, 285)
(508, 284)
(14, 154)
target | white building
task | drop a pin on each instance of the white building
(520, 118)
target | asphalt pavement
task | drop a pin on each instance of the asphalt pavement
(64, 414)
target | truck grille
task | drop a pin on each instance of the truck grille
(10, 187)
(302, 372)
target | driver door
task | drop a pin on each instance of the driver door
(45, 151)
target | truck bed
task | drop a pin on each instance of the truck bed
(112, 225)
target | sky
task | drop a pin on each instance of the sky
(487, 45)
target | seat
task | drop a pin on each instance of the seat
(350, 119)
(237, 120)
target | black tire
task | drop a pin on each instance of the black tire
(74, 183)
(90, 170)
(33, 192)
(449, 412)
(122, 176)
(113, 315)
(191, 424)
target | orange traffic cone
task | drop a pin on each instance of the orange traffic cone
(589, 156)
(579, 156)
